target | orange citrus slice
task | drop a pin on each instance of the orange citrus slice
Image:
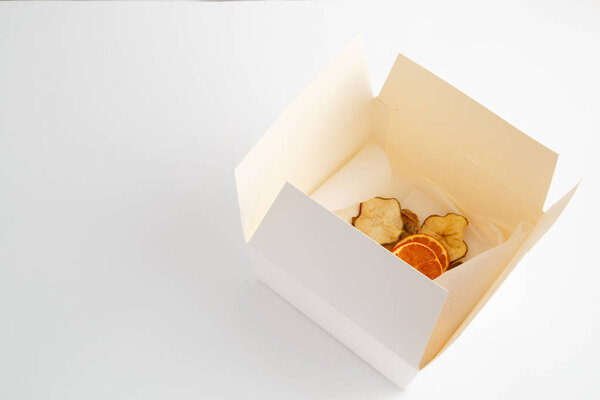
(438, 248)
(424, 253)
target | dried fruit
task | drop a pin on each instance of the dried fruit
(454, 264)
(390, 246)
(411, 221)
(449, 231)
(380, 219)
(424, 253)
(431, 242)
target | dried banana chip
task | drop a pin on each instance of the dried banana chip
(411, 221)
(380, 219)
(448, 230)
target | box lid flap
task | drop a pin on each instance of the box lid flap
(543, 225)
(388, 299)
(303, 146)
(459, 121)
(549, 218)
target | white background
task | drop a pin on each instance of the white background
(123, 272)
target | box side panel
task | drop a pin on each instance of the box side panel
(543, 225)
(340, 327)
(466, 286)
(440, 111)
(306, 144)
(412, 147)
(385, 297)
(549, 218)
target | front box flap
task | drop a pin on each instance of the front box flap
(442, 112)
(388, 299)
(305, 145)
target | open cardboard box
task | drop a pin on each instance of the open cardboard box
(388, 313)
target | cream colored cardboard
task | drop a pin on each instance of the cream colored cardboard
(432, 109)
(333, 263)
(412, 147)
(306, 145)
(432, 134)
(468, 149)
(467, 284)
(370, 166)
(545, 222)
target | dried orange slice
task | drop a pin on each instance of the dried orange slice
(424, 253)
(438, 248)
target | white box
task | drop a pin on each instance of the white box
(385, 311)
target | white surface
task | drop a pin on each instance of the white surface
(122, 264)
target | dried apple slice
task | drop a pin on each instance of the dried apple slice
(411, 221)
(390, 246)
(454, 264)
(380, 219)
(448, 230)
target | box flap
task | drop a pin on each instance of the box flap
(474, 191)
(384, 296)
(443, 112)
(549, 218)
(542, 226)
(305, 146)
